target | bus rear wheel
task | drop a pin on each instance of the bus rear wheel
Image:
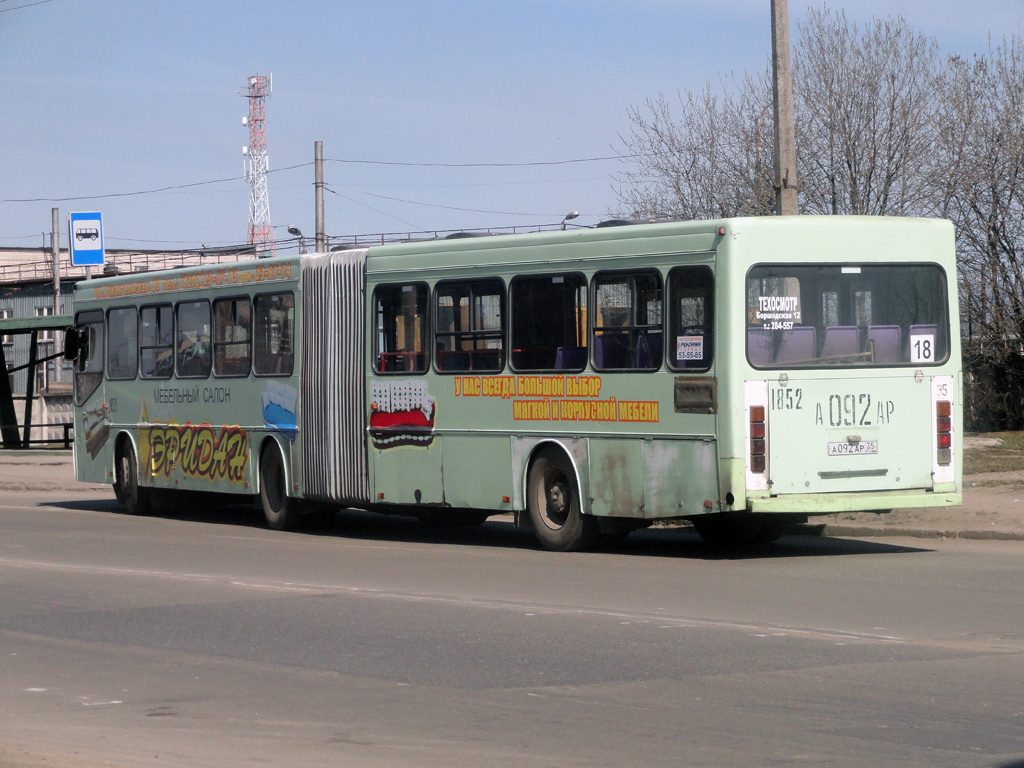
(280, 510)
(135, 498)
(727, 530)
(552, 499)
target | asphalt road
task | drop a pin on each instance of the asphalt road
(197, 638)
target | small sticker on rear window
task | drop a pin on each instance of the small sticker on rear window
(689, 348)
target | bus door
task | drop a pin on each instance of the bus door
(92, 426)
(663, 391)
(403, 448)
(405, 453)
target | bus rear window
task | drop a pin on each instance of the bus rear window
(867, 315)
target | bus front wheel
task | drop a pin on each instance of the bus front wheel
(552, 499)
(127, 490)
(280, 510)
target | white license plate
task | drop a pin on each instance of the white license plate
(853, 449)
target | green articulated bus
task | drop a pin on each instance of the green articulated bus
(741, 374)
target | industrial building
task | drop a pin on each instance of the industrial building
(29, 292)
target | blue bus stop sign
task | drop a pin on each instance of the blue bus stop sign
(85, 231)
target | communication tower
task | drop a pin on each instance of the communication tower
(257, 90)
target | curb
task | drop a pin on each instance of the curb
(862, 531)
(29, 487)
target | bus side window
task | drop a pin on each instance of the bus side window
(469, 325)
(89, 366)
(122, 343)
(274, 334)
(628, 321)
(193, 356)
(400, 328)
(232, 337)
(156, 342)
(691, 295)
(549, 322)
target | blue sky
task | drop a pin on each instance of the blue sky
(114, 98)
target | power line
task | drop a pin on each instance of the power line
(141, 191)
(192, 185)
(27, 5)
(448, 207)
(531, 164)
(357, 187)
(370, 207)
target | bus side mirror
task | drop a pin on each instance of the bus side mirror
(75, 343)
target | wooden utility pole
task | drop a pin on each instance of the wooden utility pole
(782, 99)
(318, 162)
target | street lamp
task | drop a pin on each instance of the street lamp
(296, 232)
(569, 217)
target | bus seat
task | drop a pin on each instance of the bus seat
(571, 358)
(841, 340)
(797, 344)
(648, 351)
(759, 346)
(390, 362)
(924, 330)
(452, 361)
(885, 342)
(486, 360)
(610, 351)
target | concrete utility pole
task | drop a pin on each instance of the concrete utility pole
(786, 181)
(55, 255)
(318, 162)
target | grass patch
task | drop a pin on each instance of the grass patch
(1007, 456)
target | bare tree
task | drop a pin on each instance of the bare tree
(716, 160)
(884, 127)
(865, 114)
(864, 105)
(977, 181)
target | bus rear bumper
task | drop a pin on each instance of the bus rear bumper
(830, 503)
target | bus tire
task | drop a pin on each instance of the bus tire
(770, 532)
(553, 501)
(129, 493)
(726, 530)
(280, 511)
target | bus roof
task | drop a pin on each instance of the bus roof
(772, 234)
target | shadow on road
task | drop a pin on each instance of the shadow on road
(669, 542)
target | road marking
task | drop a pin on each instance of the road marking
(663, 621)
(86, 702)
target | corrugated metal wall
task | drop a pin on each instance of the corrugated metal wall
(334, 461)
(23, 300)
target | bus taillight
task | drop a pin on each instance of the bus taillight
(757, 438)
(943, 431)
